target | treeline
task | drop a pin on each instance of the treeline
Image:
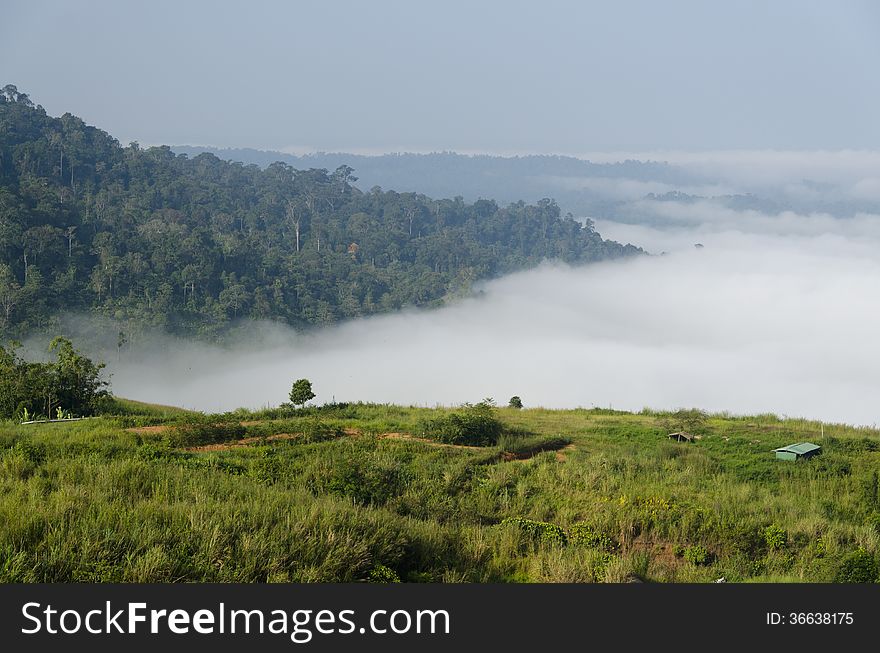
(69, 385)
(148, 237)
(504, 178)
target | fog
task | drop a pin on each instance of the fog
(775, 313)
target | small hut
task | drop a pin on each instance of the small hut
(798, 451)
(681, 436)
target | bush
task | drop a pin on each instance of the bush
(383, 574)
(775, 537)
(197, 430)
(474, 425)
(515, 402)
(696, 554)
(370, 481)
(585, 535)
(858, 567)
(850, 445)
(692, 420)
(267, 468)
(538, 530)
(318, 431)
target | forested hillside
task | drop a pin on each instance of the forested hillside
(578, 185)
(147, 237)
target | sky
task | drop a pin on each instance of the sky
(493, 76)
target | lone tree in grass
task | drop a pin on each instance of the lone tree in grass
(301, 392)
(515, 402)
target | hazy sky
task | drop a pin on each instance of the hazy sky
(495, 76)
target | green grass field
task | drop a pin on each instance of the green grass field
(156, 494)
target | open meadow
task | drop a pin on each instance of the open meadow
(365, 492)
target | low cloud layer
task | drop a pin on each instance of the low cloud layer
(777, 312)
(752, 322)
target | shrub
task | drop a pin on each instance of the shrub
(515, 402)
(538, 530)
(850, 445)
(585, 535)
(775, 537)
(153, 452)
(197, 430)
(370, 481)
(696, 554)
(318, 431)
(857, 567)
(692, 420)
(474, 425)
(267, 468)
(383, 574)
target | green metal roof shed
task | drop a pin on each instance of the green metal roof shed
(799, 450)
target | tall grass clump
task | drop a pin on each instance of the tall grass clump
(195, 429)
(473, 425)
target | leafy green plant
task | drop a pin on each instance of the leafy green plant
(474, 425)
(196, 430)
(383, 574)
(538, 530)
(267, 468)
(775, 537)
(819, 547)
(368, 481)
(696, 554)
(857, 567)
(314, 430)
(582, 534)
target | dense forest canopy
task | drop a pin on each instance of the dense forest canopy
(149, 238)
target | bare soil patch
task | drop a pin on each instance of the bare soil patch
(147, 430)
(432, 443)
(238, 444)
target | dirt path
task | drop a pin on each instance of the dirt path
(244, 442)
(561, 454)
(351, 432)
(432, 443)
(239, 444)
(161, 428)
(148, 430)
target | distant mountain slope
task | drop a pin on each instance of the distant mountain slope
(146, 237)
(617, 191)
(448, 174)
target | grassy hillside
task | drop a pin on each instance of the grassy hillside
(355, 493)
